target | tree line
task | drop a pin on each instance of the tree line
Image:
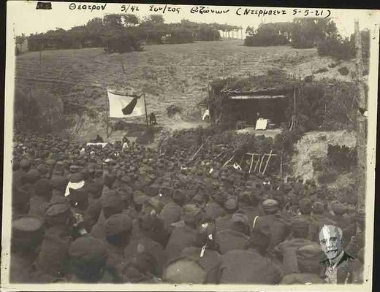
(126, 32)
(307, 33)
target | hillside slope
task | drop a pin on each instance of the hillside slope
(167, 74)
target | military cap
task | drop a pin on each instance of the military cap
(76, 178)
(140, 200)
(318, 207)
(240, 217)
(43, 187)
(113, 199)
(58, 182)
(88, 250)
(33, 176)
(184, 270)
(43, 169)
(190, 211)
(339, 208)
(300, 224)
(25, 163)
(305, 206)
(27, 232)
(117, 224)
(57, 209)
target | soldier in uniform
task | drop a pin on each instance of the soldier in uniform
(249, 265)
(183, 236)
(145, 242)
(279, 229)
(235, 237)
(286, 250)
(88, 257)
(118, 230)
(205, 250)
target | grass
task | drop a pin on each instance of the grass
(168, 74)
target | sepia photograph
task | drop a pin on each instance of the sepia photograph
(180, 147)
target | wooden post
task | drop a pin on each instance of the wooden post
(281, 165)
(257, 163)
(146, 113)
(361, 123)
(107, 121)
(266, 165)
(262, 160)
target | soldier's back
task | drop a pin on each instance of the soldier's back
(245, 266)
(229, 240)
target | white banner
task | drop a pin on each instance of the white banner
(131, 106)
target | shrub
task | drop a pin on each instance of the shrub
(171, 110)
(343, 71)
(337, 48)
(38, 110)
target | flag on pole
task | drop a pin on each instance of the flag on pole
(124, 106)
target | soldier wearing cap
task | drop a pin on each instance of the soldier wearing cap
(183, 236)
(236, 236)
(231, 205)
(88, 257)
(43, 170)
(184, 270)
(286, 250)
(17, 176)
(249, 265)
(145, 241)
(27, 234)
(29, 180)
(52, 262)
(172, 211)
(108, 181)
(279, 229)
(214, 208)
(205, 250)
(111, 204)
(43, 193)
(305, 208)
(118, 230)
(250, 209)
(59, 184)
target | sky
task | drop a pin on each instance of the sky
(24, 18)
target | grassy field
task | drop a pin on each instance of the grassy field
(167, 74)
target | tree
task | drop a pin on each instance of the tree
(130, 20)
(113, 20)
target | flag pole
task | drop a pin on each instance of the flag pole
(146, 113)
(107, 124)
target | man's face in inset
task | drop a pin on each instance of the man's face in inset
(331, 241)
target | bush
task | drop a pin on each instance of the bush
(258, 40)
(171, 110)
(38, 110)
(341, 158)
(336, 48)
(343, 71)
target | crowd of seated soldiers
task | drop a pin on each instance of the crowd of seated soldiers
(115, 214)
